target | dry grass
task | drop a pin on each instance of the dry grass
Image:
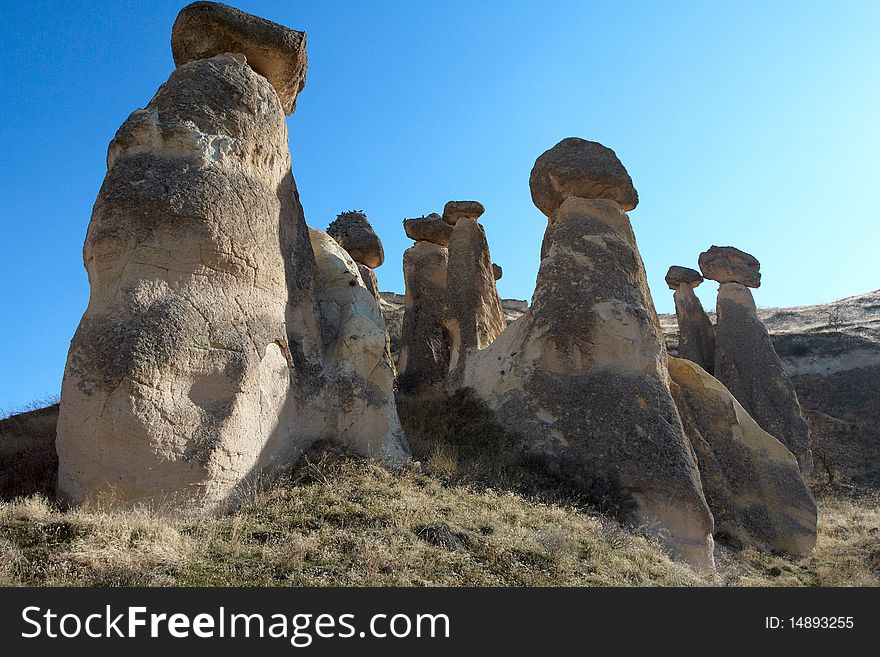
(338, 521)
(847, 550)
(341, 521)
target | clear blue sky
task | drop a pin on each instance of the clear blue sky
(755, 124)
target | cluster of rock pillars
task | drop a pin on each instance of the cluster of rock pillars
(224, 337)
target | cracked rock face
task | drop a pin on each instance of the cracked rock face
(474, 317)
(206, 29)
(752, 482)
(360, 382)
(747, 364)
(581, 168)
(352, 230)
(424, 341)
(581, 376)
(200, 343)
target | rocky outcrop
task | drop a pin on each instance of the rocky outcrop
(585, 169)
(677, 275)
(474, 317)
(726, 264)
(455, 210)
(206, 29)
(202, 359)
(747, 364)
(361, 411)
(178, 383)
(752, 482)
(497, 271)
(696, 340)
(425, 344)
(354, 233)
(429, 229)
(582, 376)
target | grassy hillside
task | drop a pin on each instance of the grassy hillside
(341, 521)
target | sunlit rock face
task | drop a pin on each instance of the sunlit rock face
(752, 482)
(474, 317)
(200, 343)
(359, 400)
(582, 375)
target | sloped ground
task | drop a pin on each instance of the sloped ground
(340, 521)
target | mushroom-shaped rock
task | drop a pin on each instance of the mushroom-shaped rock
(354, 233)
(206, 29)
(577, 167)
(497, 271)
(455, 210)
(428, 229)
(581, 378)
(678, 275)
(752, 481)
(474, 317)
(726, 264)
(178, 383)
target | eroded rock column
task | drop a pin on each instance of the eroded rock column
(425, 343)
(361, 410)
(352, 230)
(582, 375)
(696, 335)
(474, 317)
(745, 361)
(200, 343)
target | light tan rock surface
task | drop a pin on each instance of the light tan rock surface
(360, 398)
(474, 317)
(752, 482)
(747, 364)
(368, 276)
(425, 344)
(178, 383)
(586, 169)
(206, 29)
(581, 377)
